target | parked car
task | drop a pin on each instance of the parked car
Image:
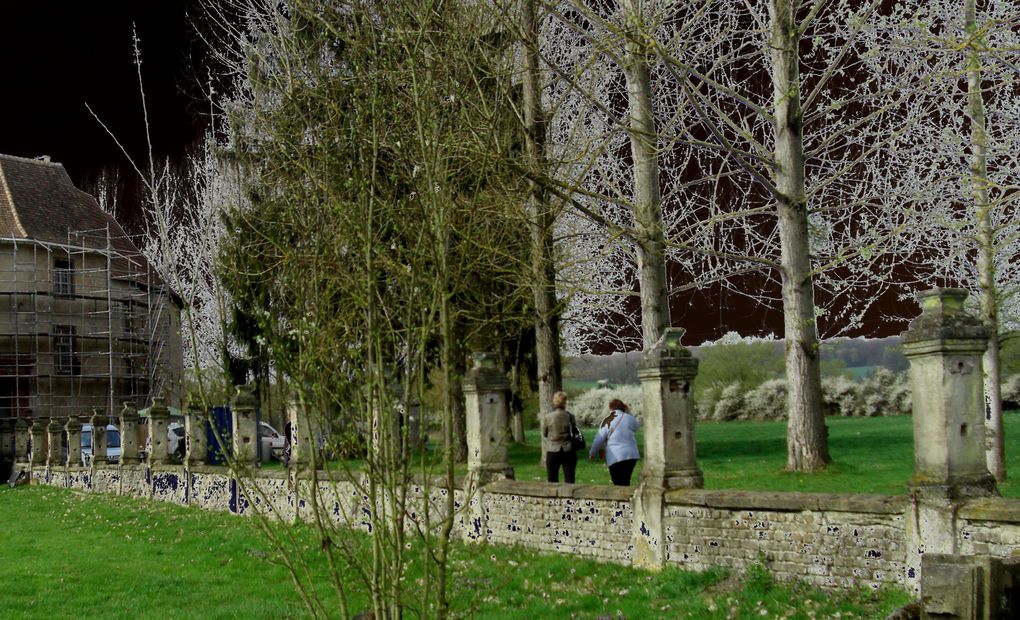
(112, 444)
(175, 440)
(175, 443)
(277, 441)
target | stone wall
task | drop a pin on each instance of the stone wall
(828, 540)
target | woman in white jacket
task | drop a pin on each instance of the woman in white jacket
(616, 436)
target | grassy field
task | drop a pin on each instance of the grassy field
(88, 556)
(870, 455)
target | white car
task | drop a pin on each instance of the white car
(175, 440)
(112, 444)
(277, 441)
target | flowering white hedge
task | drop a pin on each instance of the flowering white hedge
(590, 407)
(882, 393)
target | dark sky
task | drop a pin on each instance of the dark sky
(60, 55)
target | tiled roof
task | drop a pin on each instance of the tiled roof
(39, 201)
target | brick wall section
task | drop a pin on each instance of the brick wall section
(990, 527)
(826, 540)
(587, 520)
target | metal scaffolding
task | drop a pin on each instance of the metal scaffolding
(83, 326)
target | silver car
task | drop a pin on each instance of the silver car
(112, 444)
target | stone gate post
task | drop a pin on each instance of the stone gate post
(945, 346)
(485, 389)
(245, 427)
(99, 420)
(666, 372)
(54, 443)
(159, 420)
(129, 435)
(7, 438)
(39, 450)
(302, 433)
(21, 435)
(670, 460)
(73, 429)
(196, 447)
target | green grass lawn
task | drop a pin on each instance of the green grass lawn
(68, 554)
(870, 455)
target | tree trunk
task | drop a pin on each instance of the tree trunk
(542, 220)
(985, 246)
(649, 235)
(806, 436)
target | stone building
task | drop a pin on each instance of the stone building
(85, 323)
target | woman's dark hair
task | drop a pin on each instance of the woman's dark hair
(616, 403)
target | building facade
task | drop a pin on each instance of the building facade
(85, 322)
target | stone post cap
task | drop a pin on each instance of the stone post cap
(99, 418)
(54, 425)
(73, 423)
(244, 397)
(39, 422)
(21, 423)
(484, 372)
(128, 412)
(943, 317)
(193, 402)
(159, 410)
(668, 352)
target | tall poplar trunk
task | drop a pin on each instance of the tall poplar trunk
(649, 235)
(807, 441)
(542, 220)
(985, 246)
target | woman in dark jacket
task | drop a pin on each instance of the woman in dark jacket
(559, 450)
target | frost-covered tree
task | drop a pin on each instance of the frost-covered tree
(971, 144)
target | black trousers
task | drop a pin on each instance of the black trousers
(553, 461)
(620, 472)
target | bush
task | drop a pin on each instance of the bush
(590, 407)
(882, 393)
(767, 401)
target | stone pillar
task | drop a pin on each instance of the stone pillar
(412, 420)
(39, 450)
(945, 347)
(666, 372)
(669, 459)
(55, 443)
(129, 435)
(7, 439)
(21, 436)
(159, 420)
(302, 433)
(99, 421)
(195, 438)
(73, 429)
(245, 426)
(485, 390)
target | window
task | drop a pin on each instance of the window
(65, 357)
(63, 276)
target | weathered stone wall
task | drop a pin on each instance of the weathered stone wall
(826, 540)
(586, 520)
(831, 540)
